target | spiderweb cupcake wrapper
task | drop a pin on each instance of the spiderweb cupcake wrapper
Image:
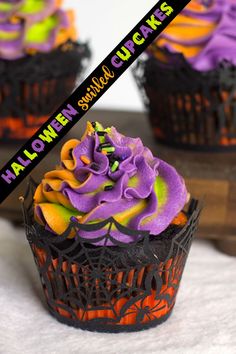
(110, 288)
(32, 88)
(187, 108)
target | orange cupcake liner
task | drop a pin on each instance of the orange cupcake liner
(157, 304)
(40, 95)
(225, 136)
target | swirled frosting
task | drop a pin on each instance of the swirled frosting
(29, 26)
(204, 33)
(109, 175)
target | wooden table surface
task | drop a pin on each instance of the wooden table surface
(209, 176)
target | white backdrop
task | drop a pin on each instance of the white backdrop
(105, 23)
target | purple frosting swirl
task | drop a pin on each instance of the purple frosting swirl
(217, 45)
(26, 28)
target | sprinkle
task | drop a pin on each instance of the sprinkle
(108, 188)
(85, 159)
(109, 150)
(113, 158)
(90, 129)
(101, 133)
(97, 127)
(94, 166)
(114, 166)
(104, 152)
(104, 145)
(102, 139)
(180, 219)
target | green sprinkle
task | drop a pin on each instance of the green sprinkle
(115, 166)
(107, 130)
(105, 145)
(102, 139)
(108, 188)
(101, 133)
(109, 150)
(97, 126)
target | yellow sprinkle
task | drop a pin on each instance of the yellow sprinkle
(90, 128)
(85, 159)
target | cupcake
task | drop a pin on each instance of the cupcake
(39, 63)
(110, 232)
(189, 78)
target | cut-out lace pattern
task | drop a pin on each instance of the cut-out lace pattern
(124, 287)
(188, 108)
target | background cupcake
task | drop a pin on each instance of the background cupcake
(39, 63)
(110, 237)
(189, 77)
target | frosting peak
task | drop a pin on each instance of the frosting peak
(109, 175)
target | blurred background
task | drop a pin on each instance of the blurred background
(104, 26)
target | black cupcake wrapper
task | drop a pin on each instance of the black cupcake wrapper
(125, 287)
(188, 108)
(36, 85)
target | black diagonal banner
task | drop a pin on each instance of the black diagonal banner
(84, 97)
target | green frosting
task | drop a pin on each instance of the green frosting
(31, 26)
(40, 31)
(65, 214)
(5, 6)
(161, 190)
(32, 6)
(8, 35)
(133, 182)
